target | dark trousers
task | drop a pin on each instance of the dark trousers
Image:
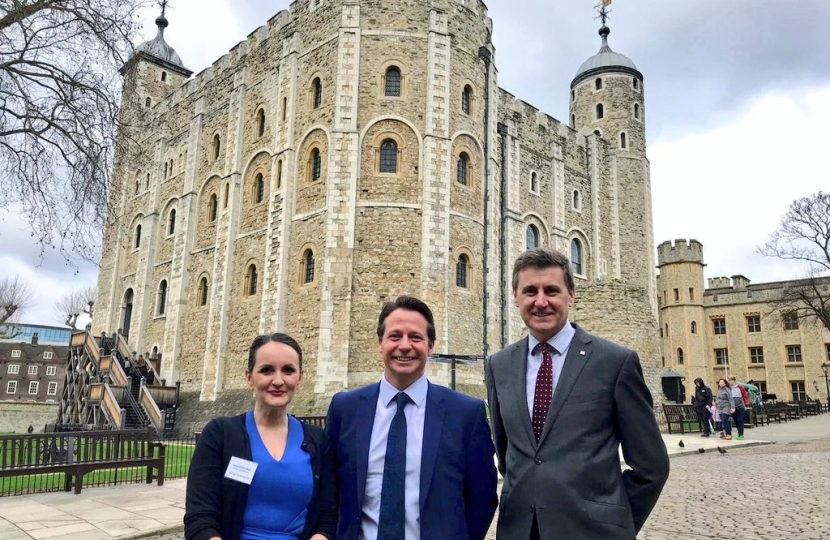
(703, 415)
(739, 420)
(534, 530)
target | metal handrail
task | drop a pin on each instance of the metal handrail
(133, 404)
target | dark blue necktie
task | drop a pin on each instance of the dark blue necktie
(392, 509)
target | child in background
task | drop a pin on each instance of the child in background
(715, 420)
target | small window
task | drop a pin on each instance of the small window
(308, 267)
(260, 122)
(217, 146)
(635, 83)
(721, 357)
(11, 387)
(691, 294)
(171, 223)
(161, 298)
(388, 157)
(598, 84)
(573, 121)
(577, 200)
(623, 141)
(213, 207)
(148, 102)
(719, 326)
(52, 389)
(284, 108)
(461, 168)
(163, 76)
(15, 354)
(576, 257)
(392, 82)
(251, 280)
(227, 195)
(466, 99)
(680, 356)
(753, 323)
(316, 165)
(137, 237)
(147, 182)
(317, 88)
(279, 174)
(677, 295)
(694, 327)
(259, 188)
(798, 389)
(32, 370)
(756, 355)
(47, 355)
(534, 182)
(202, 292)
(794, 353)
(532, 237)
(461, 269)
(51, 370)
(14, 369)
(573, 95)
(165, 171)
(667, 330)
(791, 321)
(137, 187)
(33, 387)
(600, 111)
(636, 111)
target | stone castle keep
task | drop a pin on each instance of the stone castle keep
(346, 153)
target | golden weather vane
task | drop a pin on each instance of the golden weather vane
(604, 11)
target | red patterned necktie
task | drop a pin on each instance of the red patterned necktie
(544, 390)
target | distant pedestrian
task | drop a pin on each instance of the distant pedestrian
(726, 408)
(738, 396)
(701, 400)
(31, 428)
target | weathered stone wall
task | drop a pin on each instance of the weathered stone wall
(17, 417)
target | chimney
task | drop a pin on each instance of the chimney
(34, 338)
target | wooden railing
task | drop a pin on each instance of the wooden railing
(117, 374)
(85, 339)
(164, 395)
(152, 410)
(96, 392)
(112, 408)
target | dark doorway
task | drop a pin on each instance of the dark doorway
(128, 313)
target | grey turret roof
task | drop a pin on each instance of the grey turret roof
(158, 50)
(605, 60)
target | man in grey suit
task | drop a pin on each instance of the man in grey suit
(562, 402)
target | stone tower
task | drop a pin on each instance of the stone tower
(682, 319)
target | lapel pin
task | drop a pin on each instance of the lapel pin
(582, 353)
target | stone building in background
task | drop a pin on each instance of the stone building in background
(733, 327)
(346, 153)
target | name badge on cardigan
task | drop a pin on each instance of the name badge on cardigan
(241, 470)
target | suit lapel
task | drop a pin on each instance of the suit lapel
(578, 354)
(365, 419)
(518, 357)
(433, 425)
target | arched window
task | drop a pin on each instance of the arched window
(163, 76)
(600, 111)
(532, 237)
(259, 188)
(165, 170)
(317, 88)
(461, 269)
(576, 257)
(461, 168)
(635, 83)
(316, 163)
(573, 121)
(392, 82)
(148, 102)
(598, 84)
(279, 174)
(694, 327)
(161, 300)
(137, 237)
(213, 207)
(202, 292)
(573, 95)
(307, 275)
(636, 110)
(260, 122)
(284, 107)
(577, 200)
(147, 182)
(171, 222)
(217, 146)
(466, 99)
(679, 355)
(388, 156)
(137, 186)
(170, 168)
(251, 279)
(623, 141)
(155, 352)
(534, 182)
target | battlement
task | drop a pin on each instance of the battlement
(679, 251)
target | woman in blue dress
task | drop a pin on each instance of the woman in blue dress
(263, 475)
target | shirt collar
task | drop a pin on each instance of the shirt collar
(561, 341)
(417, 391)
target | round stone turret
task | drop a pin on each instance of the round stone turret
(158, 51)
(605, 60)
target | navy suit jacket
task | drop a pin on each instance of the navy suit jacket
(458, 475)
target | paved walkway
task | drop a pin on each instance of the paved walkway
(149, 511)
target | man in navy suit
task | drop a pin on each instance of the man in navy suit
(446, 489)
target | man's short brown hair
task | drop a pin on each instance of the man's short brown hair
(543, 258)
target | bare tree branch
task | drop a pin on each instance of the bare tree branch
(73, 305)
(15, 298)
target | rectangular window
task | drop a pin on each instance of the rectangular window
(16, 353)
(677, 295)
(721, 357)
(51, 370)
(691, 293)
(33, 387)
(793, 353)
(11, 388)
(756, 355)
(47, 355)
(32, 370)
(791, 321)
(52, 389)
(753, 323)
(799, 392)
(719, 326)
(827, 347)
(13, 369)
(762, 387)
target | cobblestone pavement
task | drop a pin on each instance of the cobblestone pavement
(772, 492)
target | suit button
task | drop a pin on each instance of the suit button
(538, 461)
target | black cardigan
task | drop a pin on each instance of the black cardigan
(215, 506)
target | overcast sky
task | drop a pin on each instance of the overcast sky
(737, 110)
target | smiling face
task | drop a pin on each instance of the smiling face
(404, 347)
(276, 375)
(543, 300)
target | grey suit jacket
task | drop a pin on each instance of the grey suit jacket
(572, 480)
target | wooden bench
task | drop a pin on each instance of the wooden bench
(759, 415)
(681, 417)
(76, 454)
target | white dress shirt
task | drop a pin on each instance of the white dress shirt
(561, 342)
(384, 413)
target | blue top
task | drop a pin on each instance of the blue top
(281, 489)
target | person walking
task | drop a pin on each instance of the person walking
(701, 400)
(726, 408)
(740, 399)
